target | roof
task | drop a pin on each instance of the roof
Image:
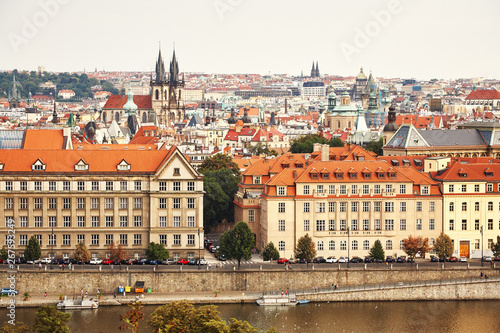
(484, 94)
(43, 139)
(470, 171)
(118, 101)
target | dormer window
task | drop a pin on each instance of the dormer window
(1, 166)
(123, 166)
(81, 166)
(299, 165)
(367, 174)
(488, 172)
(353, 174)
(339, 174)
(281, 190)
(462, 173)
(38, 166)
(313, 174)
(256, 180)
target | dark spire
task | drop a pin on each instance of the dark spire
(313, 70)
(55, 119)
(317, 69)
(160, 69)
(174, 70)
(273, 119)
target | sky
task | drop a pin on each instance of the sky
(421, 39)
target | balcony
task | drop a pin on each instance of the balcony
(239, 200)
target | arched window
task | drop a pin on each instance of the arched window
(388, 245)
(117, 117)
(104, 114)
(281, 246)
(354, 245)
(157, 94)
(144, 117)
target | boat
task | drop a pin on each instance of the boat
(77, 304)
(303, 301)
(277, 300)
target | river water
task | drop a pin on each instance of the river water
(425, 316)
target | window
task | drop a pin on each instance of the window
(331, 189)
(331, 245)
(123, 221)
(123, 239)
(354, 224)
(177, 239)
(162, 203)
(464, 188)
(66, 186)
(402, 224)
(388, 188)
(305, 189)
(251, 215)
(23, 221)
(418, 223)
(490, 224)
(376, 206)
(343, 225)
(464, 224)
(425, 190)
(331, 207)
(432, 224)
(489, 187)
(190, 222)
(52, 239)
(163, 186)
(109, 239)
(419, 206)
(452, 206)
(66, 239)
(476, 206)
(306, 225)
(389, 224)
(476, 245)
(138, 185)
(190, 186)
(281, 246)
(8, 186)
(464, 206)
(343, 245)
(190, 203)
(389, 206)
(281, 190)
(95, 186)
(319, 188)
(109, 186)
(366, 245)
(162, 221)
(163, 239)
(376, 189)
(331, 225)
(490, 206)
(123, 203)
(476, 225)
(320, 245)
(95, 221)
(123, 186)
(320, 207)
(80, 186)
(23, 240)
(94, 240)
(80, 203)
(366, 189)
(176, 203)
(320, 225)
(39, 239)
(138, 239)
(80, 220)
(177, 171)
(281, 207)
(66, 203)
(38, 203)
(281, 225)
(67, 221)
(343, 207)
(490, 244)
(402, 206)
(38, 186)
(177, 186)
(476, 187)
(177, 221)
(256, 179)
(354, 245)
(109, 203)
(354, 206)
(137, 203)
(9, 203)
(38, 221)
(94, 203)
(452, 225)
(401, 244)
(402, 188)
(80, 239)
(366, 224)
(388, 245)
(354, 189)
(432, 206)
(343, 189)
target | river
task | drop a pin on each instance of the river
(424, 316)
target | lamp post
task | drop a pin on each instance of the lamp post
(199, 250)
(52, 242)
(482, 242)
(348, 248)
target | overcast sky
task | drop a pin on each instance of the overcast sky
(424, 39)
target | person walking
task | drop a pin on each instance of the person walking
(45, 294)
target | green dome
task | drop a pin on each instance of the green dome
(130, 106)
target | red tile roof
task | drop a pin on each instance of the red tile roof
(484, 94)
(118, 101)
(43, 139)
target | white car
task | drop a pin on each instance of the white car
(487, 258)
(95, 261)
(331, 260)
(46, 260)
(463, 259)
(202, 262)
(343, 260)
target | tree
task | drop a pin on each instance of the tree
(377, 252)
(260, 148)
(336, 143)
(416, 245)
(305, 248)
(496, 247)
(270, 252)
(17, 328)
(156, 251)
(81, 253)
(305, 144)
(32, 251)
(238, 243)
(4, 254)
(219, 162)
(49, 320)
(132, 318)
(376, 146)
(443, 246)
(116, 251)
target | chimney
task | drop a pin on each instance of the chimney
(317, 147)
(325, 153)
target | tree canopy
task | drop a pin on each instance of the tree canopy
(305, 248)
(219, 162)
(4, 254)
(32, 251)
(116, 251)
(305, 144)
(156, 251)
(81, 253)
(416, 245)
(496, 247)
(270, 252)
(443, 246)
(376, 146)
(261, 148)
(238, 243)
(377, 251)
(49, 320)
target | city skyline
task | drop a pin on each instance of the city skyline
(393, 38)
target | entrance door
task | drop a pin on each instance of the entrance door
(464, 248)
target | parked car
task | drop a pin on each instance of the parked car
(434, 259)
(453, 259)
(107, 261)
(303, 261)
(389, 259)
(9, 291)
(282, 261)
(497, 258)
(57, 261)
(401, 259)
(410, 259)
(152, 262)
(127, 262)
(356, 260)
(95, 261)
(201, 262)
(292, 261)
(169, 261)
(443, 259)
(44, 261)
(463, 259)
(182, 262)
(221, 257)
(214, 248)
(342, 260)
(368, 260)
(319, 260)
(487, 258)
(331, 260)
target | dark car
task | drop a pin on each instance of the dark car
(389, 259)
(142, 262)
(410, 259)
(368, 260)
(443, 259)
(57, 261)
(356, 260)
(152, 262)
(221, 257)
(401, 259)
(434, 259)
(303, 261)
(127, 261)
(319, 260)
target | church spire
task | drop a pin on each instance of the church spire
(174, 70)
(160, 69)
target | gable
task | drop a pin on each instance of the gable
(176, 166)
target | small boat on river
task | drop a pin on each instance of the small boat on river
(77, 304)
(303, 301)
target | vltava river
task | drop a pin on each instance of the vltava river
(436, 316)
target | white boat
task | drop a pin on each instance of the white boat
(277, 300)
(77, 304)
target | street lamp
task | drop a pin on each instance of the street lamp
(199, 250)
(52, 242)
(348, 248)
(482, 242)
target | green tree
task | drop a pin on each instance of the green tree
(237, 243)
(305, 248)
(376, 146)
(270, 252)
(336, 143)
(261, 148)
(81, 253)
(32, 251)
(49, 320)
(156, 251)
(4, 254)
(219, 162)
(236, 326)
(377, 252)
(132, 318)
(495, 247)
(17, 328)
(443, 246)
(416, 245)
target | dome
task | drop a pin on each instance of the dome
(332, 95)
(361, 75)
(232, 119)
(391, 126)
(239, 123)
(130, 106)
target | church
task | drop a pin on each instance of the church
(165, 104)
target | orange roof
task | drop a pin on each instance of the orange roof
(43, 139)
(484, 94)
(118, 101)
